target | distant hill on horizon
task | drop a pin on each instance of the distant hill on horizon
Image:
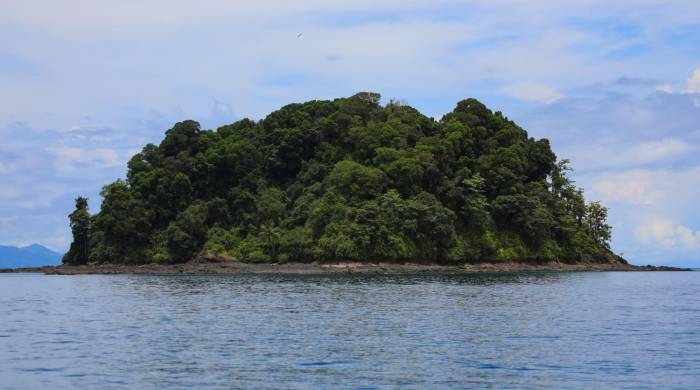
(34, 255)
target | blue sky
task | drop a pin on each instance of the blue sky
(614, 84)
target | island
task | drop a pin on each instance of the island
(344, 185)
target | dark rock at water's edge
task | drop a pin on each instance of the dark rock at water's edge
(217, 265)
(28, 256)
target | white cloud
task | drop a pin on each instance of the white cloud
(689, 238)
(533, 92)
(602, 153)
(694, 82)
(112, 54)
(668, 235)
(128, 15)
(658, 231)
(673, 190)
(652, 151)
(632, 187)
(667, 88)
(135, 17)
(71, 158)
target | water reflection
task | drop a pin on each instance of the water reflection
(204, 281)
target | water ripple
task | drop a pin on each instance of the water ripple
(576, 330)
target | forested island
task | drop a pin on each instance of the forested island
(346, 180)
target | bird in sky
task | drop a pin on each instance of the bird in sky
(299, 35)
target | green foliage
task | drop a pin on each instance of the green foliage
(221, 241)
(596, 215)
(80, 227)
(122, 228)
(345, 179)
(351, 179)
(188, 233)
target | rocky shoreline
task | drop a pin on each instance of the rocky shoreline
(214, 267)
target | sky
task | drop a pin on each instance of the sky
(614, 84)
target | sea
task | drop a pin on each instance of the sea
(579, 330)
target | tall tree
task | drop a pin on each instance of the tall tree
(80, 226)
(596, 215)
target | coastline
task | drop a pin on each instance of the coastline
(198, 267)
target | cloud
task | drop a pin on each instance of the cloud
(694, 82)
(666, 191)
(532, 92)
(690, 239)
(80, 17)
(22, 194)
(659, 231)
(114, 61)
(612, 128)
(668, 235)
(633, 187)
(71, 158)
(668, 88)
(610, 154)
(657, 150)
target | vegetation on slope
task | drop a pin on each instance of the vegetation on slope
(347, 179)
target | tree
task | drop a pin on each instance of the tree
(596, 217)
(188, 233)
(182, 137)
(80, 227)
(124, 226)
(474, 204)
(356, 180)
(435, 226)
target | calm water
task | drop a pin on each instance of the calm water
(574, 330)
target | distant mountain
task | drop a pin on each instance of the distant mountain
(28, 256)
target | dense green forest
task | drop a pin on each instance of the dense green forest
(348, 179)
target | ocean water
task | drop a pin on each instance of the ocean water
(545, 330)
